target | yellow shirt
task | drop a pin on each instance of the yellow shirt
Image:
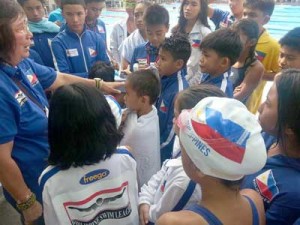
(267, 50)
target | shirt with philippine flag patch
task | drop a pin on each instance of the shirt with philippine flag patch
(278, 183)
(170, 86)
(23, 121)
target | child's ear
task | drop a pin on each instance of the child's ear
(225, 62)
(266, 19)
(179, 64)
(145, 99)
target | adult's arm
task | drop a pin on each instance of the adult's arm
(12, 180)
(64, 79)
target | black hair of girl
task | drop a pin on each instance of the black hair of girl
(81, 129)
(249, 28)
(202, 17)
(288, 91)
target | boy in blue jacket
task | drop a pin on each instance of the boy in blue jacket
(220, 50)
(156, 20)
(173, 56)
(76, 48)
(92, 20)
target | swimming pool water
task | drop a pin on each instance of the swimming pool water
(284, 18)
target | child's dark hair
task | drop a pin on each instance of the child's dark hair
(103, 71)
(178, 46)
(72, 2)
(249, 28)
(156, 15)
(145, 83)
(22, 2)
(225, 42)
(291, 39)
(189, 97)
(288, 92)
(202, 17)
(82, 129)
(145, 4)
(265, 6)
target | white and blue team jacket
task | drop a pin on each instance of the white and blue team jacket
(170, 86)
(103, 193)
(76, 54)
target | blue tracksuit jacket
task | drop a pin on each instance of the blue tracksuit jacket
(76, 54)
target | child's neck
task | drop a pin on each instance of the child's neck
(144, 110)
(189, 25)
(219, 72)
(90, 22)
(167, 75)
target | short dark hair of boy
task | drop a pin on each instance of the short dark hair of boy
(22, 2)
(265, 6)
(103, 71)
(156, 15)
(291, 39)
(145, 83)
(82, 129)
(178, 46)
(72, 2)
(91, 1)
(225, 42)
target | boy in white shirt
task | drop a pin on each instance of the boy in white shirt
(141, 126)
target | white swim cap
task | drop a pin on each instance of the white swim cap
(222, 138)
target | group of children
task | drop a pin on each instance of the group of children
(101, 183)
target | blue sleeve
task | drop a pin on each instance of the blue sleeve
(60, 57)
(101, 49)
(229, 89)
(284, 210)
(9, 118)
(219, 16)
(167, 134)
(46, 75)
(104, 35)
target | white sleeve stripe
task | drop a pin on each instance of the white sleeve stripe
(169, 139)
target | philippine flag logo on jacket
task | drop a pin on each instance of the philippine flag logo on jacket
(163, 107)
(196, 43)
(266, 185)
(232, 136)
(92, 52)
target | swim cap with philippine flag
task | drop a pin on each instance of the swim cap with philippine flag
(222, 138)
